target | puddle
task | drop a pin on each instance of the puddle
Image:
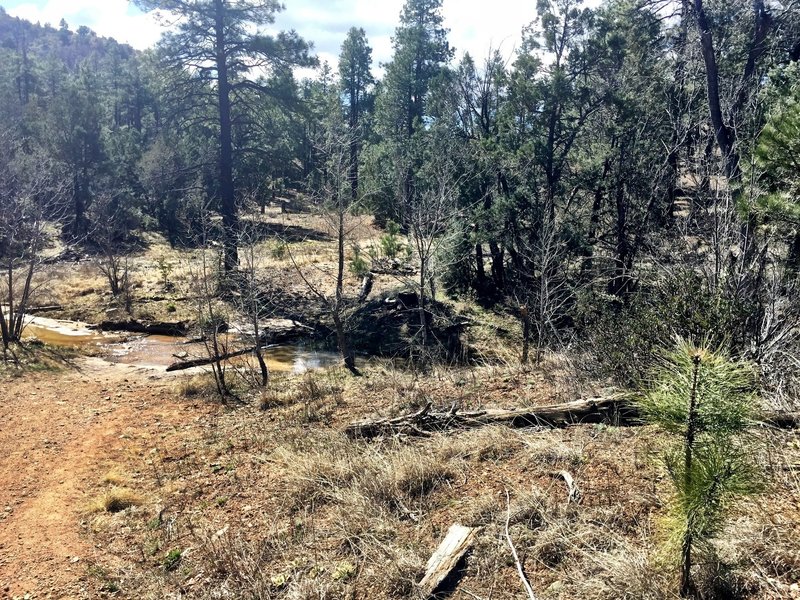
(63, 333)
(158, 351)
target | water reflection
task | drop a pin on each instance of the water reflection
(158, 351)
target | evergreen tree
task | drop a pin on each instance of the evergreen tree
(356, 81)
(705, 401)
(223, 40)
(421, 51)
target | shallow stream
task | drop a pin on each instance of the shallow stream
(158, 351)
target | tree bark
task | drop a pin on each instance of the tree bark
(723, 134)
(226, 186)
(612, 409)
(445, 559)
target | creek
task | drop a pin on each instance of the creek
(158, 351)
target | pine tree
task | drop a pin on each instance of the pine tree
(223, 41)
(705, 401)
(355, 61)
(421, 51)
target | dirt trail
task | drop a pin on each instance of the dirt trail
(60, 434)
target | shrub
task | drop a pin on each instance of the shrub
(628, 338)
(391, 243)
(704, 400)
(358, 264)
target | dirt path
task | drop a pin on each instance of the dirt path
(60, 434)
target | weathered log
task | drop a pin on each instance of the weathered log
(178, 328)
(280, 331)
(617, 409)
(35, 310)
(445, 559)
(207, 360)
(163, 299)
(613, 409)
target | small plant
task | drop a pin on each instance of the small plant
(358, 264)
(116, 500)
(344, 571)
(391, 244)
(165, 270)
(705, 401)
(279, 251)
(172, 559)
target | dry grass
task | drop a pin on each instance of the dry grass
(197, 386)
(116, 478)
(278, 504)
(116, 500)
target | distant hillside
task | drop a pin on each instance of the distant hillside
(70, 47)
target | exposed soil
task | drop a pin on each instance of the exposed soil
(62, 434)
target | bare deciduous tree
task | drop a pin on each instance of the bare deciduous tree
(338, 209)
(33, 192)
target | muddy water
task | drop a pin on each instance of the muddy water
(157, 352)
(63, 333)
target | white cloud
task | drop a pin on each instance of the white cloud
(109, 18)
(475, 25)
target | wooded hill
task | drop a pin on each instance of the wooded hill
(629, 174)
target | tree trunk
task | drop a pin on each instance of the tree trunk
(79, 204)
(724, 135)
(480, 268)
(618, 285)
(423, 320)
(227, 191)
(613, 409)
(526, 333)
(498, 265)
(691, 425)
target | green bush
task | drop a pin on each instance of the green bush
(627, 338)
(391, 242)
(279, 251)
(358, 264)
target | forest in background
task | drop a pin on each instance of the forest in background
(629, 174)
(467, 232)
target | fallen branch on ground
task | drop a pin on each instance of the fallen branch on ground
(176, 329)
(613, 409)
(520, 570)
(617, 409)
(35, 310)
(573, 493)
(200, 362)
(445, 559)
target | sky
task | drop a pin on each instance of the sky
(475, 25)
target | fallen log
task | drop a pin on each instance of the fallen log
(35, 310)
(207, 360)
(178, 328)
(281, 331)
(616, 409)
(445, 559)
